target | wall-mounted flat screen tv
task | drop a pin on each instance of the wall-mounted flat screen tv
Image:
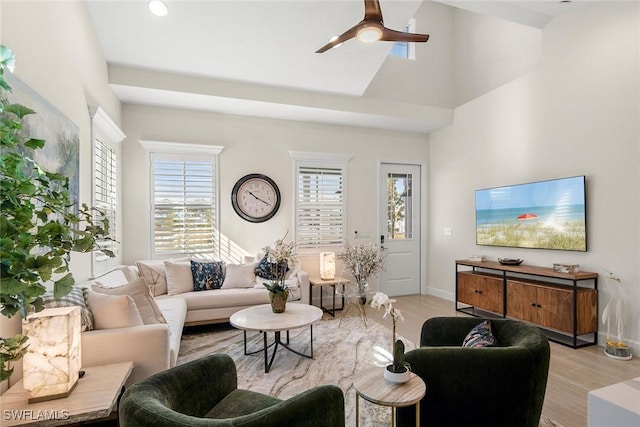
(540, 215)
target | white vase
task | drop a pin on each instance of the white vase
(396, 378)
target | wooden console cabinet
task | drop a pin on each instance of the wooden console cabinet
(564, 305)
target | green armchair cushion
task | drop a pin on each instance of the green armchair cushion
(204, 393)
(495, 386)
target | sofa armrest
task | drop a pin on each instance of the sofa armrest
(147, 346)
(303, 280)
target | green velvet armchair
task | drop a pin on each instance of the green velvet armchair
(204, 393)
(503, 385)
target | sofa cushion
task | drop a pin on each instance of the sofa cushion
(222, 298)
(239, 276)
(480, 336)
(113, 311)
(74, 298)
(174, 309)
(207, 275)
(241, 402)
(179, 278)
(139, 291)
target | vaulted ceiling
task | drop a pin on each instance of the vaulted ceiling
(258, 57)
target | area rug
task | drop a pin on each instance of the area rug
(340, 350)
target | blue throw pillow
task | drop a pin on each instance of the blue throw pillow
(207, 275)
(480, 336)
(269, 270)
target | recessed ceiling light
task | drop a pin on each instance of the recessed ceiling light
(158, 7)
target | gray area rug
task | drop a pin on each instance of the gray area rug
(340, 351)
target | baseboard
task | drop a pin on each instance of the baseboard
(449, 296)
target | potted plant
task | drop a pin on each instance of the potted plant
(280, 259)
(362, 261)
(38, 228)
(398, 371)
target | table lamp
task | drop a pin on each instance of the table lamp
(327, 265)
(51, 365)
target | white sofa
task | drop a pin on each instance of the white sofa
(154, 347)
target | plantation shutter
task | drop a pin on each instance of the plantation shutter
(105, 192)
(320, 206)
(184, 211)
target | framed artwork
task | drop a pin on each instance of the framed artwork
(61, 153)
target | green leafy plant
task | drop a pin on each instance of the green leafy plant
(38, 225)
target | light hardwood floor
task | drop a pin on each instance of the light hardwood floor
(572, 374)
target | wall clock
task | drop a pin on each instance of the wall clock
(255, 198)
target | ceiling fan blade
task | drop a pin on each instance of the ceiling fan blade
(372, 10)
(390, 35)
(349, 34)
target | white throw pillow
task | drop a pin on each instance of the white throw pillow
(113, 311)
(179, 277)
(138, 290)
(154, 274)
(239, 276)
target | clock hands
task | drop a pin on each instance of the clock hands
(258, 198)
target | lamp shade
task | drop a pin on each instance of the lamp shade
(51, 365)
(327, 265)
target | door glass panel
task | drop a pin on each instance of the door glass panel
(399, 206)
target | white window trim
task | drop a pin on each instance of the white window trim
(184, 150)
(320, 159)
(107, 131)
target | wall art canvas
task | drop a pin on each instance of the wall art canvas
(61, 153)
(541, 215)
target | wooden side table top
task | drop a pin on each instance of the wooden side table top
(316, 281)
(371, 386)
(95, 397)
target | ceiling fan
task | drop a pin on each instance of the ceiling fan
(372, 29)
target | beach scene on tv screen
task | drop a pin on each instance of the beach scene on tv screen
(541, 215)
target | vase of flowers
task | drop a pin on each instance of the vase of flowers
(399, 371)
(281, 258)
(362, 261)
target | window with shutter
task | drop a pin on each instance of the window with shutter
(106, 138)
(184, 205)
(320, 216)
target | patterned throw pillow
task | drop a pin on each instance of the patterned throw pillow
(77, 297)
(207, 275)
(480, 336)
(270, 270)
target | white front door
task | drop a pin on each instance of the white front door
(400, 228)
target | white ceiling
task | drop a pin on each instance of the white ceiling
(229, 46)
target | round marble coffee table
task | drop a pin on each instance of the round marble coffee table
(261, 318)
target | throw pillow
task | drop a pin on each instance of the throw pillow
(207, 275)
(480, 336)
(179, 278)
(239, 276)
(138, 290)
(270, 270)
(74, 298)
(153, 273)
(113, 311)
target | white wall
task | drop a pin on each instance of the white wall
(255, 145)
(59, 57)
(575, 115)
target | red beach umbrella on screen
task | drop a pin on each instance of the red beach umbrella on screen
(526, 216)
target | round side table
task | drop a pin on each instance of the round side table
(371, 386)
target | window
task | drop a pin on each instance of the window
(106, 140)
(405, 49)
(184, 199)
(320, 200)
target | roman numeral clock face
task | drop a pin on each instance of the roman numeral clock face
(255, 198)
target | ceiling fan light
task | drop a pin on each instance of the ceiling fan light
(369, 34)
(158, 7)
